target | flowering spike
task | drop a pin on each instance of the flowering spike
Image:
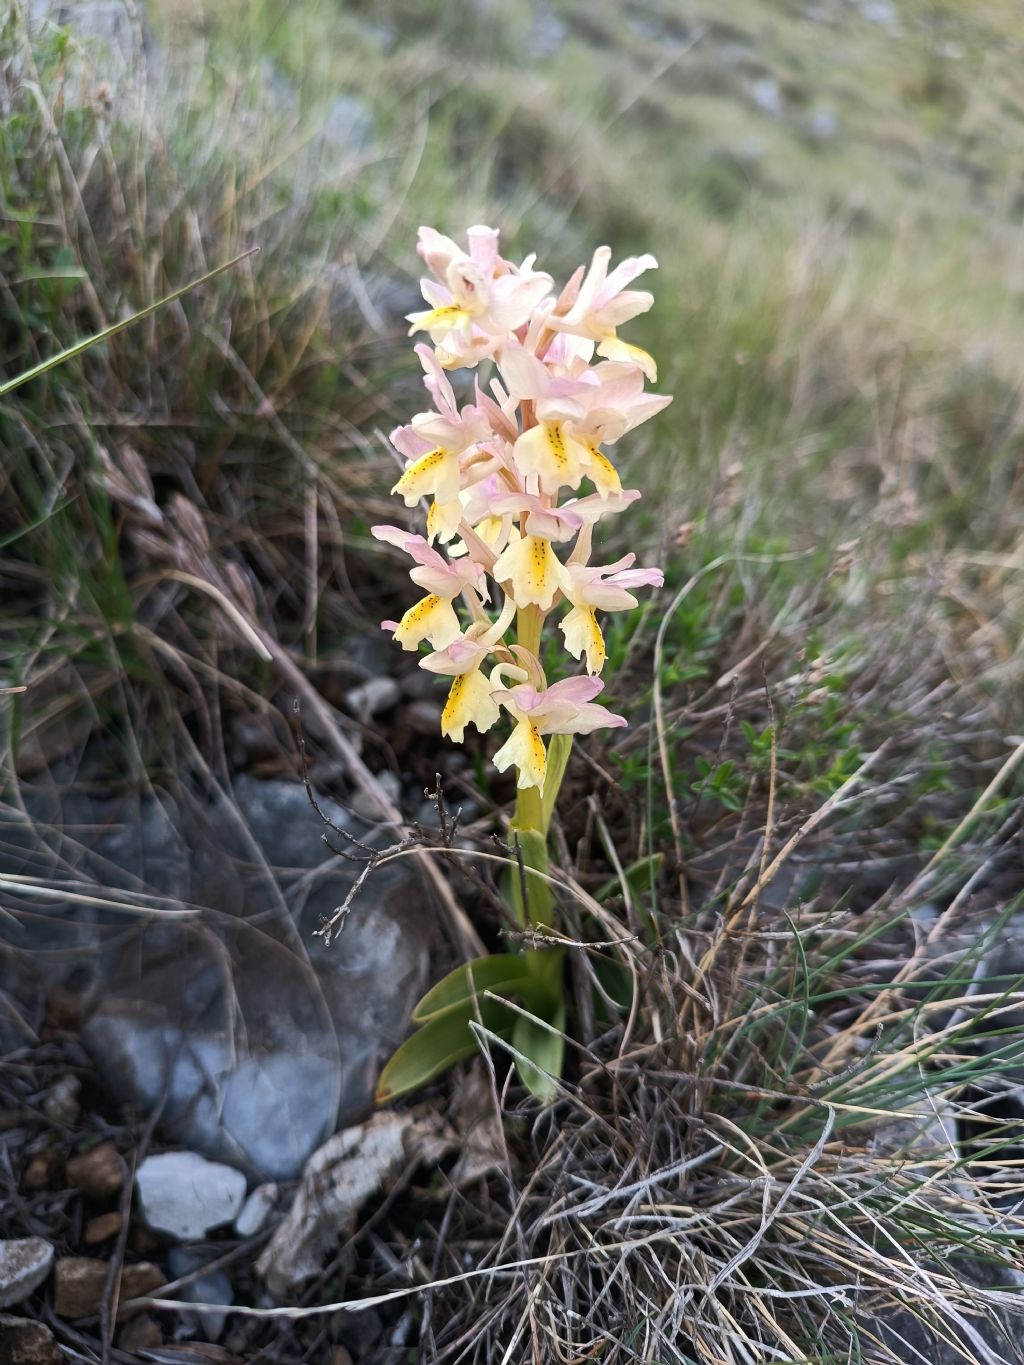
(494, 473)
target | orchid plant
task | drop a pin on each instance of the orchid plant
(501, 477)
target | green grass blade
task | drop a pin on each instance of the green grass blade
(80, 346)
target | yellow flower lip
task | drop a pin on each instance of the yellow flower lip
(438, 321)
(526, 750)
(432, 618)
(533, 571)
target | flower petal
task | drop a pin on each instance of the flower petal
(583, 636)
(525, 748)
(438, 322)
(602, 472)
(435, 473)
(469, 703)
(549, 451)
(612, 348)
(534, 570)
(431, 618)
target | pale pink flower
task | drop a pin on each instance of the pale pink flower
(603, 304)
(469, 698)
(594, 588)
(478, 298)
(432, 618)
(447, 449)
(564, 708)
(576, 414)
(530, 569)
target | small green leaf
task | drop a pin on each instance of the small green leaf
(502, 973)
(439, 1044)
(638, 877)
(541, 1047)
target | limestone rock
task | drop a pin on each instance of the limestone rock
(256, 1210)
(185, 1196)
(24, 1264)
(258, 1039)
(209, 1286)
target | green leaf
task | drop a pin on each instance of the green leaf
(439, 1044)
(108, 332)
(502, 973)
(638, 877)
(541, 1047)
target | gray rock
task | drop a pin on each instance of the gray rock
(823, 125)
(24, 1264)
(208, 1286)
(767, 95)
(930, 1135)
(208, 993)
(80, 843)
(256, 1210)
(61, 1104)
(992, 1338)
(881, 12)
(371, 697)
(548, 33)
(185, 1196)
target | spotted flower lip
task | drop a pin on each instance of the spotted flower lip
(517, 476)
(469, 696)
(433, 617)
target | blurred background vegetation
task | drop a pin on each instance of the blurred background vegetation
(833, 190)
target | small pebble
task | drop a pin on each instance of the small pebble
(23, 1342)
(98, 1173)
(42, 1169)
(184, 1195)
(140, 1334)
(100, 1228)
(209, 1286)
(61, 1104)
(80, 1282)
(256, 1210)
(372, 697)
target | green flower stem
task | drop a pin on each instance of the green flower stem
(532, 897)
(529, 624)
